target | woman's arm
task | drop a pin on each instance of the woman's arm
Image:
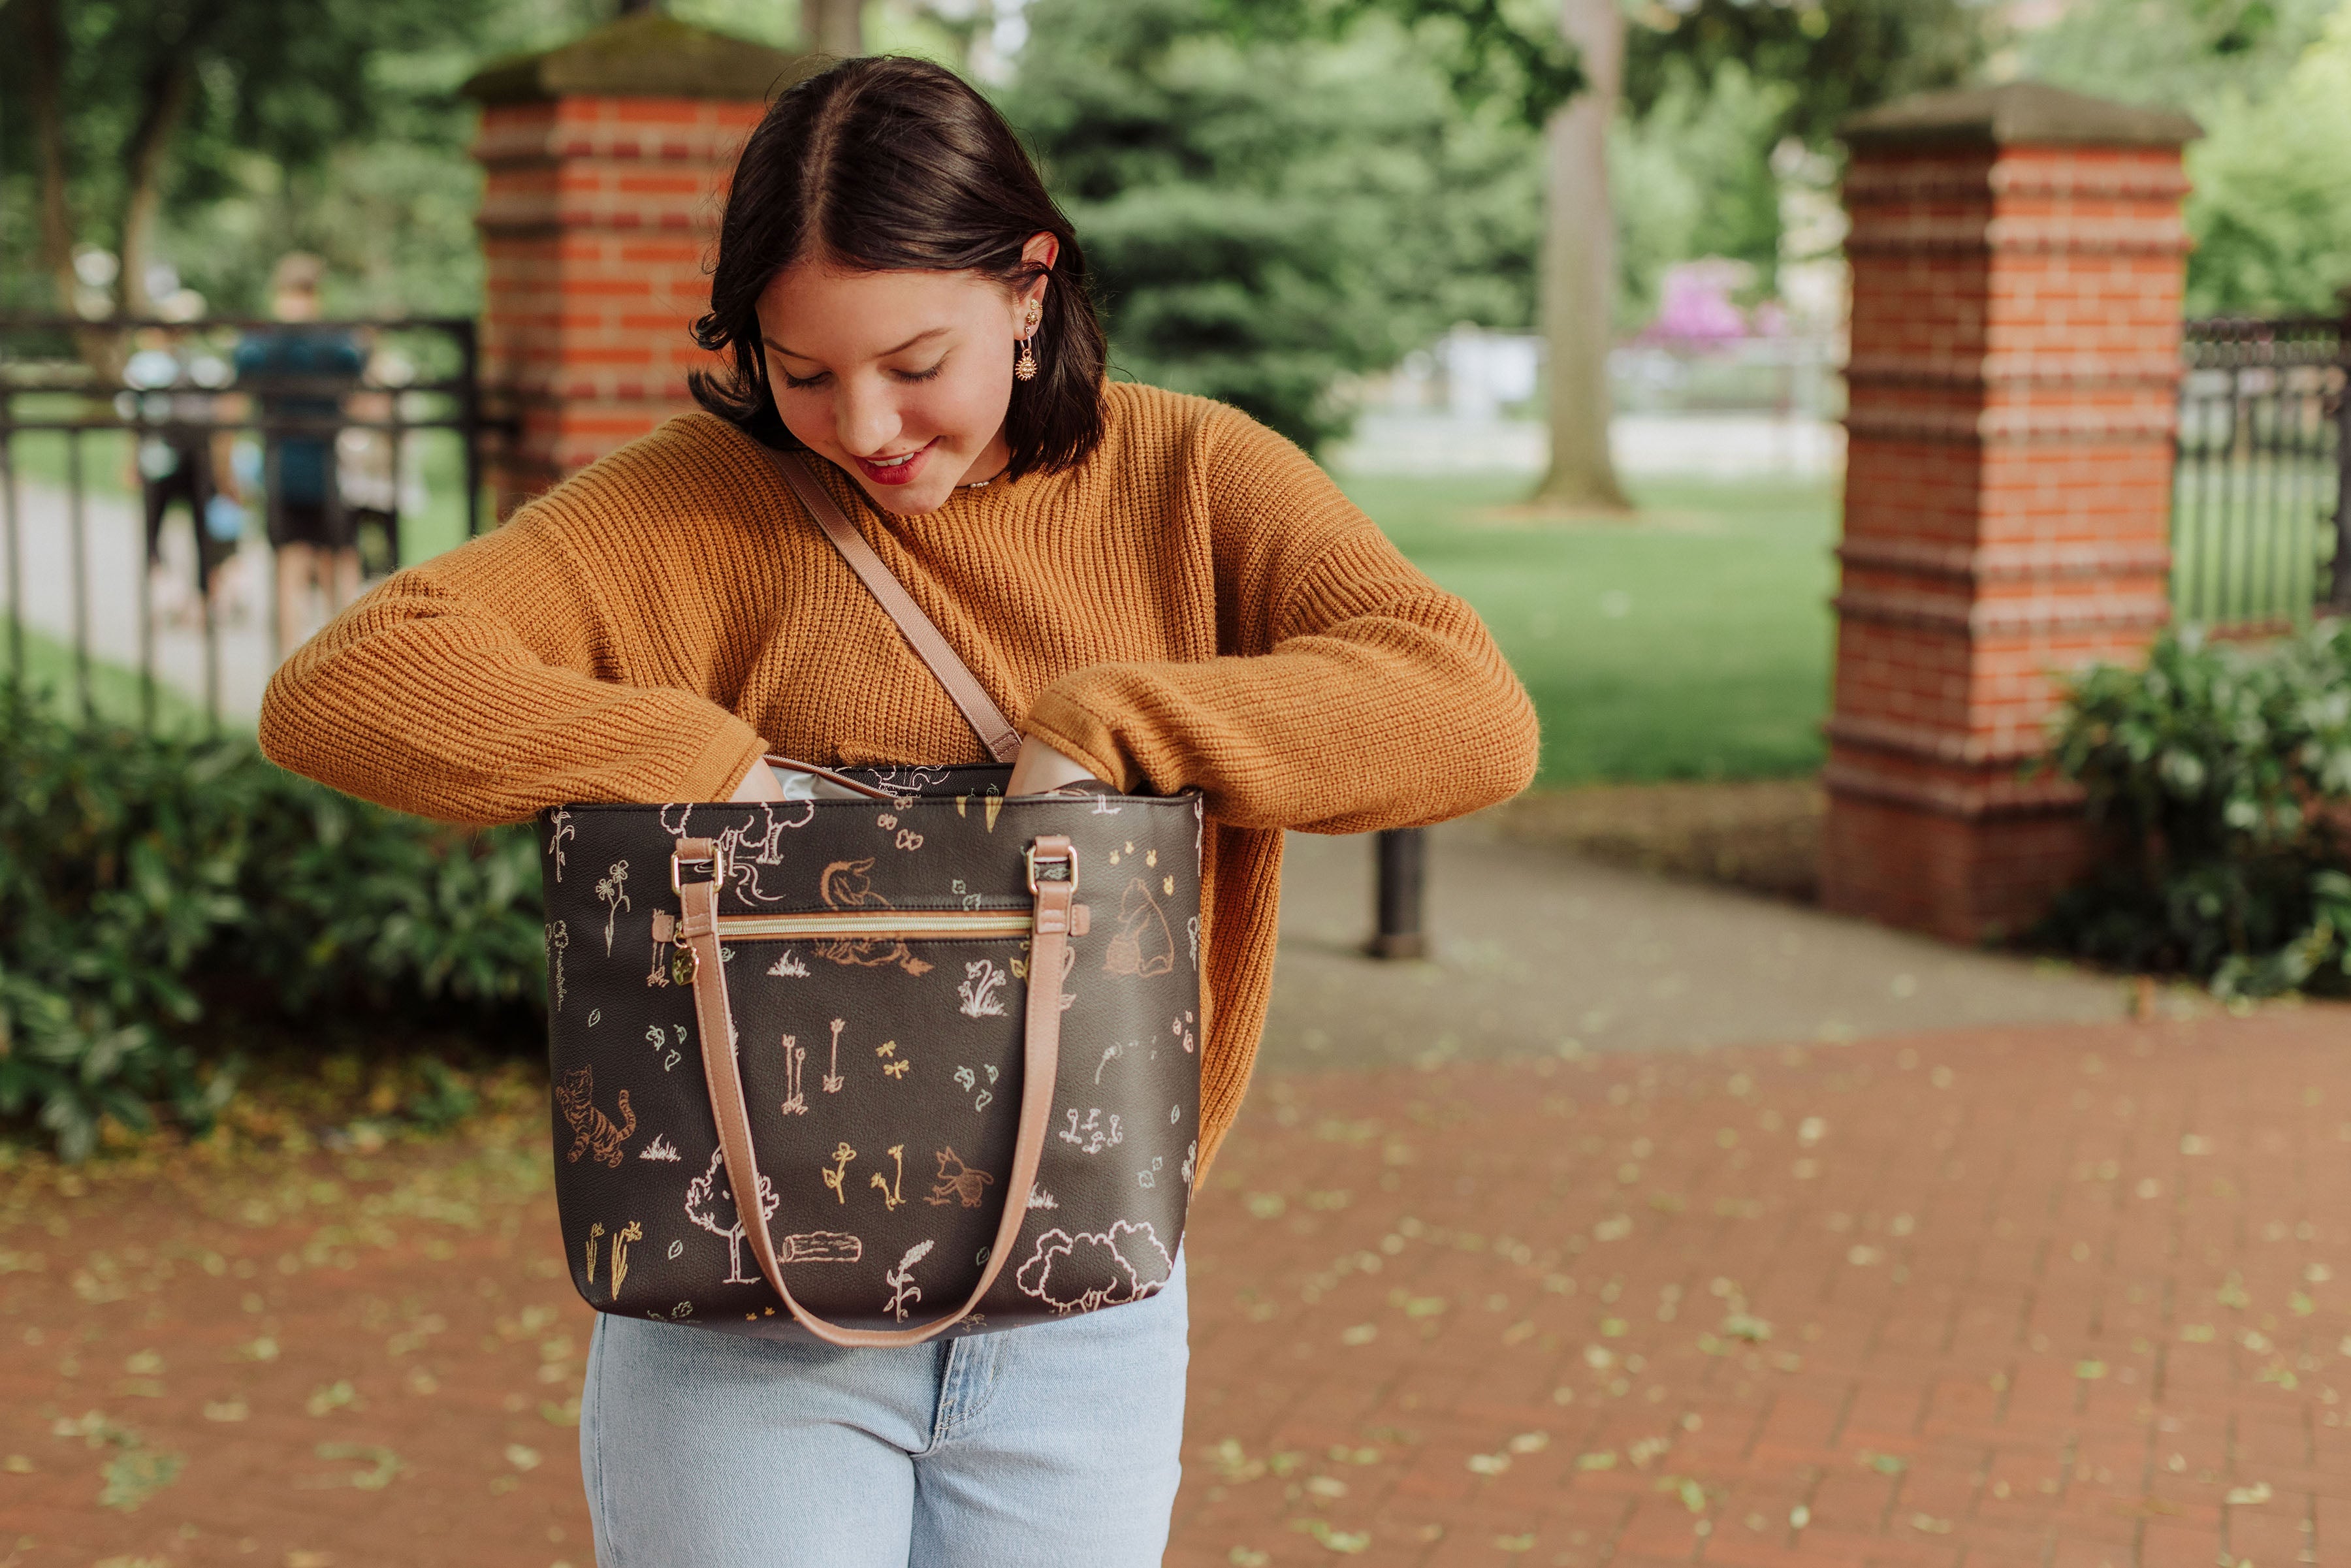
(1356, 694)
(488, 683)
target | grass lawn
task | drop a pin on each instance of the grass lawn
(1692, 644)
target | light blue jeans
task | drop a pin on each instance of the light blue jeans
(1055, 1444)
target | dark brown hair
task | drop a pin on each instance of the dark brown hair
(890, 164)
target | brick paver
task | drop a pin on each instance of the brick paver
(2050, 1296)
(2058, 1296)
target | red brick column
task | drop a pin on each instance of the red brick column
(2017, 256)
(606, 161)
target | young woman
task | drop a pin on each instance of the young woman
(1167, 597)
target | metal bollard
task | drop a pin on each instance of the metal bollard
(1400, 854)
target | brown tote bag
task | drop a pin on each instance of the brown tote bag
(946, 1044)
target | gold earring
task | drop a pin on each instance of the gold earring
(1024, 368)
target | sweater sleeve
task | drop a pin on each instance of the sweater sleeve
(1352, 693)
(488, 683)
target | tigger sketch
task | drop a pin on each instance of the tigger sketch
(957, 1182)
(592, 1132)
(845, 886)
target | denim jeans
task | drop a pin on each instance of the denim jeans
(1048, 1445)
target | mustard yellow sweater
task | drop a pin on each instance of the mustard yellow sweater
(1195, 606)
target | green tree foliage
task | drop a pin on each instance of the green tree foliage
(1693, 177)
(147, 884)
(2271, 80)
(1269, 213)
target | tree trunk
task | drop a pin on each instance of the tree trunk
(1579, 276)
(164, 103)
(45, 46)
(834, 26)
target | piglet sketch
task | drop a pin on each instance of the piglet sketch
(957, 1181)
(710, 1203)
(1095, 1268)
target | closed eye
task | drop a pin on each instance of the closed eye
(800, 384)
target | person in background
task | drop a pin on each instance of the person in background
(298, 374)
(182, 456)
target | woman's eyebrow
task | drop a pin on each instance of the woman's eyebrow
(917, 337)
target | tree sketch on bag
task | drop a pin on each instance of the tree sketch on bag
(981, 981)
(844, 884)
(710, 1204)
(1092, 1270)
(675, 830)
(901, 1280)
(558, 937)
(592, 1132)
(832, 1079)
(559, 831)
(1142, 946)
(836, 1178)
(958, 1183)
(614, 889)
(795, 1103)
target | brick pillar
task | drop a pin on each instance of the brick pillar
(606, 162)
(2017, 258)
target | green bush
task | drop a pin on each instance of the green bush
(2221, 777)
(149, 884)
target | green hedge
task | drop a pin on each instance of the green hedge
(155, 889)
(2221, 778)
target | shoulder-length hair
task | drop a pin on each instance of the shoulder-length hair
(889, 164)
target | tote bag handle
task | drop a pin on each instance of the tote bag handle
(1053, 881)
(987, 720)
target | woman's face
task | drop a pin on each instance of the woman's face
(901, 378)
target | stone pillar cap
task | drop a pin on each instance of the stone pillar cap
(647, 54)
(2014, 113)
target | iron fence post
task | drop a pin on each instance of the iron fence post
(1402, 859)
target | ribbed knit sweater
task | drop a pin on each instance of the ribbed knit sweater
(1195, 606)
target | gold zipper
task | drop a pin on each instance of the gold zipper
(868, 924)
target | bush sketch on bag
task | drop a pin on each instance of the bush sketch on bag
(789, 966)
(614, 889)
(958, 1183)
(592, 1132)
(710, 1204)
(844, 884)
(1092, 1270)
(981, 981)
(558, 937)
(904, 1292)
(821, 1247)
(661, 1148)
(1143, 947)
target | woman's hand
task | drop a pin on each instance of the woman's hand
(1039, 770)
(760, 784)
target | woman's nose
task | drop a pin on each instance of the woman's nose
(866, 420)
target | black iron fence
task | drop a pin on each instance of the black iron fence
(2260, 519)
(150, 472)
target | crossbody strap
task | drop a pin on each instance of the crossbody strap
(994, 731)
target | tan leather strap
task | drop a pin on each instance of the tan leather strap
(994, 731)
(1054, 881)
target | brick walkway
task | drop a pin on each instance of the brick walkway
(2051, 1296)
